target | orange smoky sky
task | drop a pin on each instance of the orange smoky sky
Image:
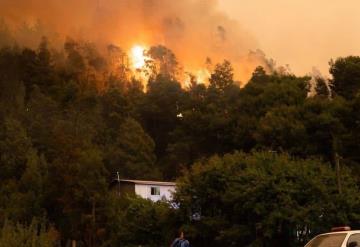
(301, 33)
(193, 29)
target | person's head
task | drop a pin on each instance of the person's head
(181, 233)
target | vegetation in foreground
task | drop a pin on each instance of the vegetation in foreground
(256, 166)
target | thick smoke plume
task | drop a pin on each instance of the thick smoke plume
(194, 29)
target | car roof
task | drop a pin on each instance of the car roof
(352, 232)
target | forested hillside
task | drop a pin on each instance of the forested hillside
(266, 162)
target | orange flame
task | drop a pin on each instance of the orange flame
(138, 57)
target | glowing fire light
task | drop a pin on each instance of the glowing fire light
(137, 56)
(203, 76)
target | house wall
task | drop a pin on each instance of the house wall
(127, 189)
(144, 191)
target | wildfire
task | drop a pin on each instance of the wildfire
(203, 76)
(137, 56)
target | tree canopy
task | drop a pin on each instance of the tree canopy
(263, 199)
(257, 163)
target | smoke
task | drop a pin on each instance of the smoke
(315, 76)
(193, 29)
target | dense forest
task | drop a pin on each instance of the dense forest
(270, 163)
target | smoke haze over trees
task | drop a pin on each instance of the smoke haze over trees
(194, 30)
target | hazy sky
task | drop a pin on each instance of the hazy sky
(301, 33)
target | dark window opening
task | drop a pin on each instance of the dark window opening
(155, 191)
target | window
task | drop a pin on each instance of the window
(328, 240)
(155, 191)
(354, 240)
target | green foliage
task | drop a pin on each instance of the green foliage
(346, 76)
(259, 75)
(11, 87)
(326, 123)
(14, 146)
(282, 128)
(264, 199)
(163, 62)
(37, 234)
(159, 110)
(136, 221)
(132, 153)
(72, 117)
(351, 134)
(222, 77)
(220, 119)
(24, 175)
(321, 88)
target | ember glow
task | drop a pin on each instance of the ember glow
(202, 75)
(137, 56)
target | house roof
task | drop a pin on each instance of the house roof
(148, 182)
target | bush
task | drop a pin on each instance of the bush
(265, 199)
(140, 222)
(37, 234)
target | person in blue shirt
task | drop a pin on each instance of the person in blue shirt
(180, 241)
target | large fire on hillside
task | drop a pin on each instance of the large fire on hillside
(196, 31)
(138, 64)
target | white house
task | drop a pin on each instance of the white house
(153, 190)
